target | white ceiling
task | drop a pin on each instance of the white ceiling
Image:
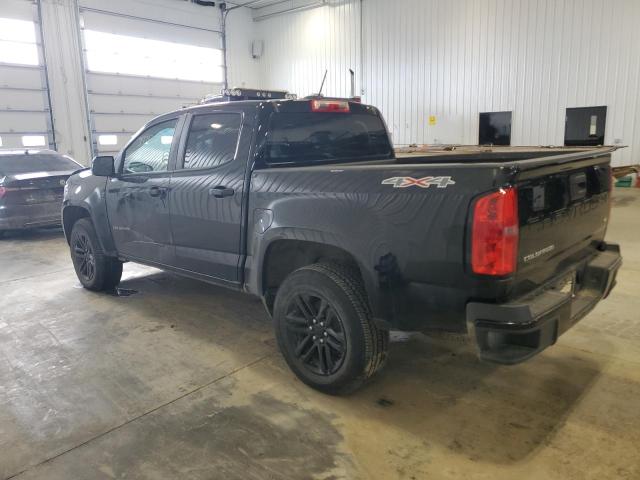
(256, 4)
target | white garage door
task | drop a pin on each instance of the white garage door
(25, 110)
(138, 68)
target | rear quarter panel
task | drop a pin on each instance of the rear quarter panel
(408, 241)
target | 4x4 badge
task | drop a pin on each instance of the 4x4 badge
(424, 182)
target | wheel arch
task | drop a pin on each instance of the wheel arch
(70, 215)
(284, 255)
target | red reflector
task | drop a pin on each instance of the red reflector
(494, 235)
(334, 106)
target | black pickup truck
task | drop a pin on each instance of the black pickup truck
(304, 204)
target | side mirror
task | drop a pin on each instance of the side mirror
(103, 166)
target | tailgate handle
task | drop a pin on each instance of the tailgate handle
(578, 186)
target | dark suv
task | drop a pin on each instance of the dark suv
(31, 187)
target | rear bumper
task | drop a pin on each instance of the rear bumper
(17, 217)
(513, 332)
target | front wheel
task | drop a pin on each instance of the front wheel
(325, 331)
(95, 270)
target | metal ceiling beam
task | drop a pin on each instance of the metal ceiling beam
(272, 4)
(302, 8)
(246, 4)
(251, 2)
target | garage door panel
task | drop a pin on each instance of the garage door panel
(18, 9)
(122, 119)
(14, 140)
(24, 103)
(110, 124)
(23, 100)
(151, 30)
(148, 105)
(121, 103)
(24, 77)
(107, 83)
(23, 122)
(107, 147)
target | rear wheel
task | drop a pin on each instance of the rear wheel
(95, 270)
(325, 331)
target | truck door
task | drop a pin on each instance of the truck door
(138, 197)
(206, 194)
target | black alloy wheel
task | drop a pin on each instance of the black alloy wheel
(315, 333)
(95, 270)
(324, 328)
(85, 257)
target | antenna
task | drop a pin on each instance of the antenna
(322, 84)
(353, 83)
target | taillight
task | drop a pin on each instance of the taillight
(494, 233)
(333, 106)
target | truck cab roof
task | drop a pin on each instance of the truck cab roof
(279, 105)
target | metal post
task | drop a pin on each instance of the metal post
(93, 145)
(52, 128)
(223, 27)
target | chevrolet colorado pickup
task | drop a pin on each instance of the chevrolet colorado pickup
(304, 204)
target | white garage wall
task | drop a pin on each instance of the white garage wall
(243, 69)
(454, 59)
(299, 47)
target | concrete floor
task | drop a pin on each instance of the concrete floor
(183, 381)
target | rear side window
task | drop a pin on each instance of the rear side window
(310, 137)
(212, 140)
(150, 151)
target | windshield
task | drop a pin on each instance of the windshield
(35, 162)
(309, 137)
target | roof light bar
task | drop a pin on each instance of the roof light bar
(237, 94)
(331, 106)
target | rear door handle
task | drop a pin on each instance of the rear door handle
(221, 192)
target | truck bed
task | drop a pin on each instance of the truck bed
(489, 154)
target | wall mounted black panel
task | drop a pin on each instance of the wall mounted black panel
(495, 128)
(585, 126)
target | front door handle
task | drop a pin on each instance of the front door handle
(156, 191)
(221, 191)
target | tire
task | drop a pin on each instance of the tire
(95, 270)
(324, 329)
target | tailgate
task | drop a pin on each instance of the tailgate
(564, 210)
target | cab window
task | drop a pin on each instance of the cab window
(149, 152)
(212, 140)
